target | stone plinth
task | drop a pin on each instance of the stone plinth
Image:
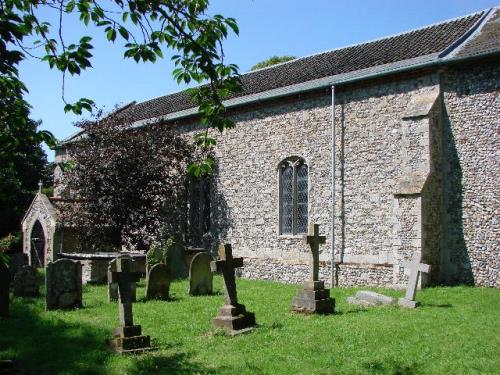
(313, 299)
(129, 340)
(234, 319)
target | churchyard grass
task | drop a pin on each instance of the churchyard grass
(455, 331)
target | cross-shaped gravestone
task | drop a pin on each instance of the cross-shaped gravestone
(124, 277)
(233, 316)
(226, 265)
(415, 268)
(314, 240)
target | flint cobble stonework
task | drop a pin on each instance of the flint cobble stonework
(381, 140)
(472, 175)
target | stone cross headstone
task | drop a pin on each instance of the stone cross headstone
(158, 282)
(113, 287)
(314, 298)
(415, 268)
(314, 240)
(200, 275)
(63, 284)
(233, 316)
(4, 291)
(27, 282)
(128, 337)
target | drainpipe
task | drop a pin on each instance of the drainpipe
(333, 185)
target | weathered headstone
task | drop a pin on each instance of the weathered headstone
(113, 287)
(177, 261)
(233, 316)
(27, 282)
(4, 291)
(63, 284)
(314, 298)
(158, 282)
(128, 337)
(368, 298)
(200, 275)
(415, 268)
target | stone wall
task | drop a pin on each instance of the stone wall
(471, 165)
(369, 164)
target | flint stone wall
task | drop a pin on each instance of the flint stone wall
(472, 174)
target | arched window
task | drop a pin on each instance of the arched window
(293, 177)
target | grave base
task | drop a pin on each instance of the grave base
(234, 319)
(313, 299)
(129, 340)
(403, 302)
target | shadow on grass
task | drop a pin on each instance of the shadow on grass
(391, 367)
(445, 305)
(49, 346)
(44, 343)
(178, 363)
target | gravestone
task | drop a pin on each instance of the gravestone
(63, 284)
(415, 268)
(128, 337)
(4, 291)
(368, 298)
(177, 261)
(27, 282)
(314, 298)
(233, 316)
(200, 275)
(113, 287)
(158, 282)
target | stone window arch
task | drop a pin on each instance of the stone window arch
(293, 196)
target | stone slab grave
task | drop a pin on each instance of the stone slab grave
(63, 284)
(158, 282)
(26, 282)
(200, 275)
(415, 268)
(4, 291)
(127, 338)
(113, 287)
(233, 316)
(368, 298)
(314, 298)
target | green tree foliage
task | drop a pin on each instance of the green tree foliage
(145, 28)
(273, 60)
(22, 164)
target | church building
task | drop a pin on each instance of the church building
(392, 146)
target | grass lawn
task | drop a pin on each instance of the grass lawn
(455, 331)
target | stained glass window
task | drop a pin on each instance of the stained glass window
(293, 196)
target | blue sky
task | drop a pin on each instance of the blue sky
(267, 27)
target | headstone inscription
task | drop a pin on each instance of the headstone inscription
(415, 268)
(63, 284)
(4, 291)
(158, 282)
(27, 282)
(113, 287)
(314, 298)
(200, 275)
(128, 337)
(233, 316)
